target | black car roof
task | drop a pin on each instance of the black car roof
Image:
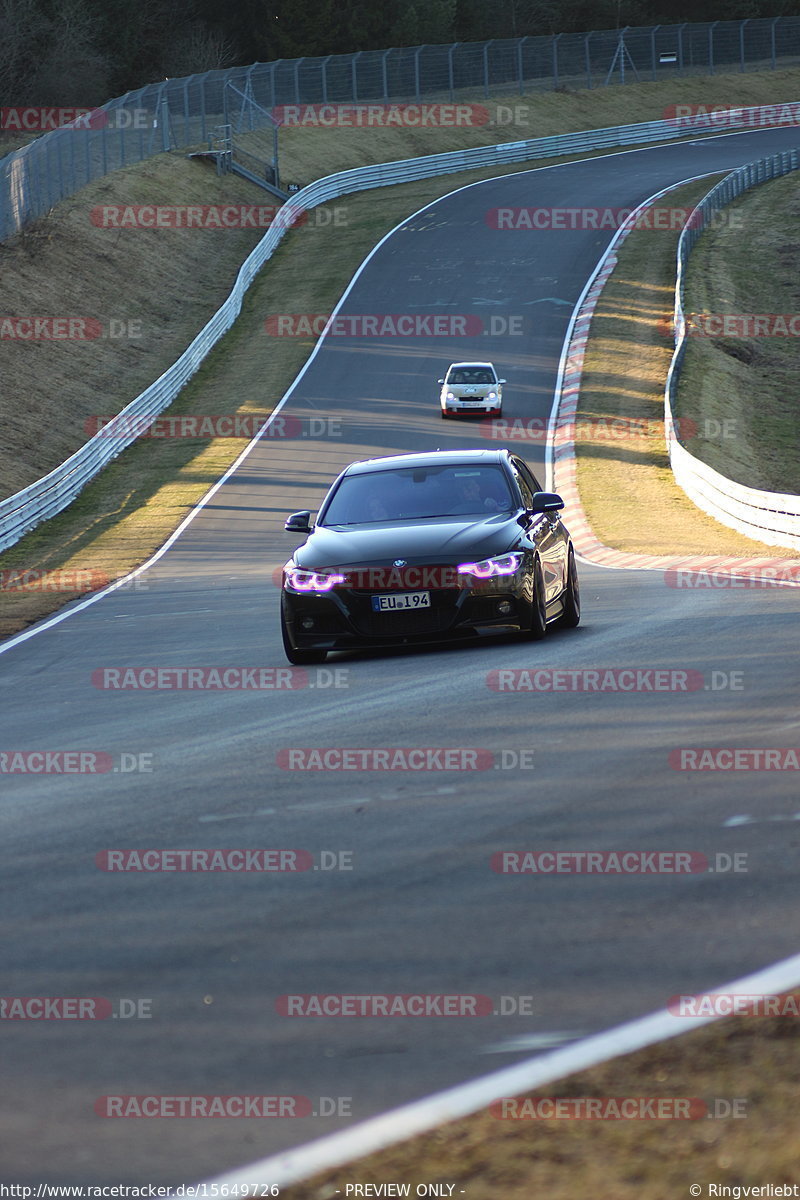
(434, 458)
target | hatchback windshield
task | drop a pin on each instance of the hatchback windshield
(415, 493)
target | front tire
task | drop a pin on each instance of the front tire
(572, 595)
(299, 658)
(538, 626)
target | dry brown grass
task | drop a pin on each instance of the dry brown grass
(749, 382)
(626, 485)
(754, 1060)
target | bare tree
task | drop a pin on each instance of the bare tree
(73, 70)
(24, 36)
(198, 48)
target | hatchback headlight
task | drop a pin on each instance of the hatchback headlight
(311, 581)
(505, 564)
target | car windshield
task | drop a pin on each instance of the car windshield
(468, 375)
(413, 493)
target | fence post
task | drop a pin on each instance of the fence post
(680, 47)
(653, 33)
(164, 119)
(741, 44)
(486, 46)
(186, 118)
(416, 72)
(772, 40)
(354, 74)
(248, 83)
(555, 60)
(325, 62)
(450, 74)
(588, 58)
(385, 74)
(711, 47)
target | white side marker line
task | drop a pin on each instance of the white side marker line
(338, 1149)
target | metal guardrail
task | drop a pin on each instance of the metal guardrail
(180, 113)
(771, 517)
(50, 495)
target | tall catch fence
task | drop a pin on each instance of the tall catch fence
(188, 112)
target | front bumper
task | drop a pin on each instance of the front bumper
(343, 618)
(462, 408)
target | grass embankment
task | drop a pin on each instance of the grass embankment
(745, 265)
(626, 485)
(165, 283)
(747, 1059)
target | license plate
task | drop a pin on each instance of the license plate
(399, 601)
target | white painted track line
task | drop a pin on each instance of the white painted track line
(346, 1146)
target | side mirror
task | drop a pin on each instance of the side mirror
(299, 522)
(502, 381)
(545, 502)
(440, 381)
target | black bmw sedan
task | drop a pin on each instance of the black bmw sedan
(427, 547)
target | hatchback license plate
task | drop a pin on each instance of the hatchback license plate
(399, 601)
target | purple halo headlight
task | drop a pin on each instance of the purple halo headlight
(311, 581)
(505, 564)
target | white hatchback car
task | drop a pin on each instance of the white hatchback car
(471, 387)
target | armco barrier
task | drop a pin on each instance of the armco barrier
(771, 517)
(50, 495)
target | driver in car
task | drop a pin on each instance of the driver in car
(470, 496)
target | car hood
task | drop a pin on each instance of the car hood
(435, 540)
